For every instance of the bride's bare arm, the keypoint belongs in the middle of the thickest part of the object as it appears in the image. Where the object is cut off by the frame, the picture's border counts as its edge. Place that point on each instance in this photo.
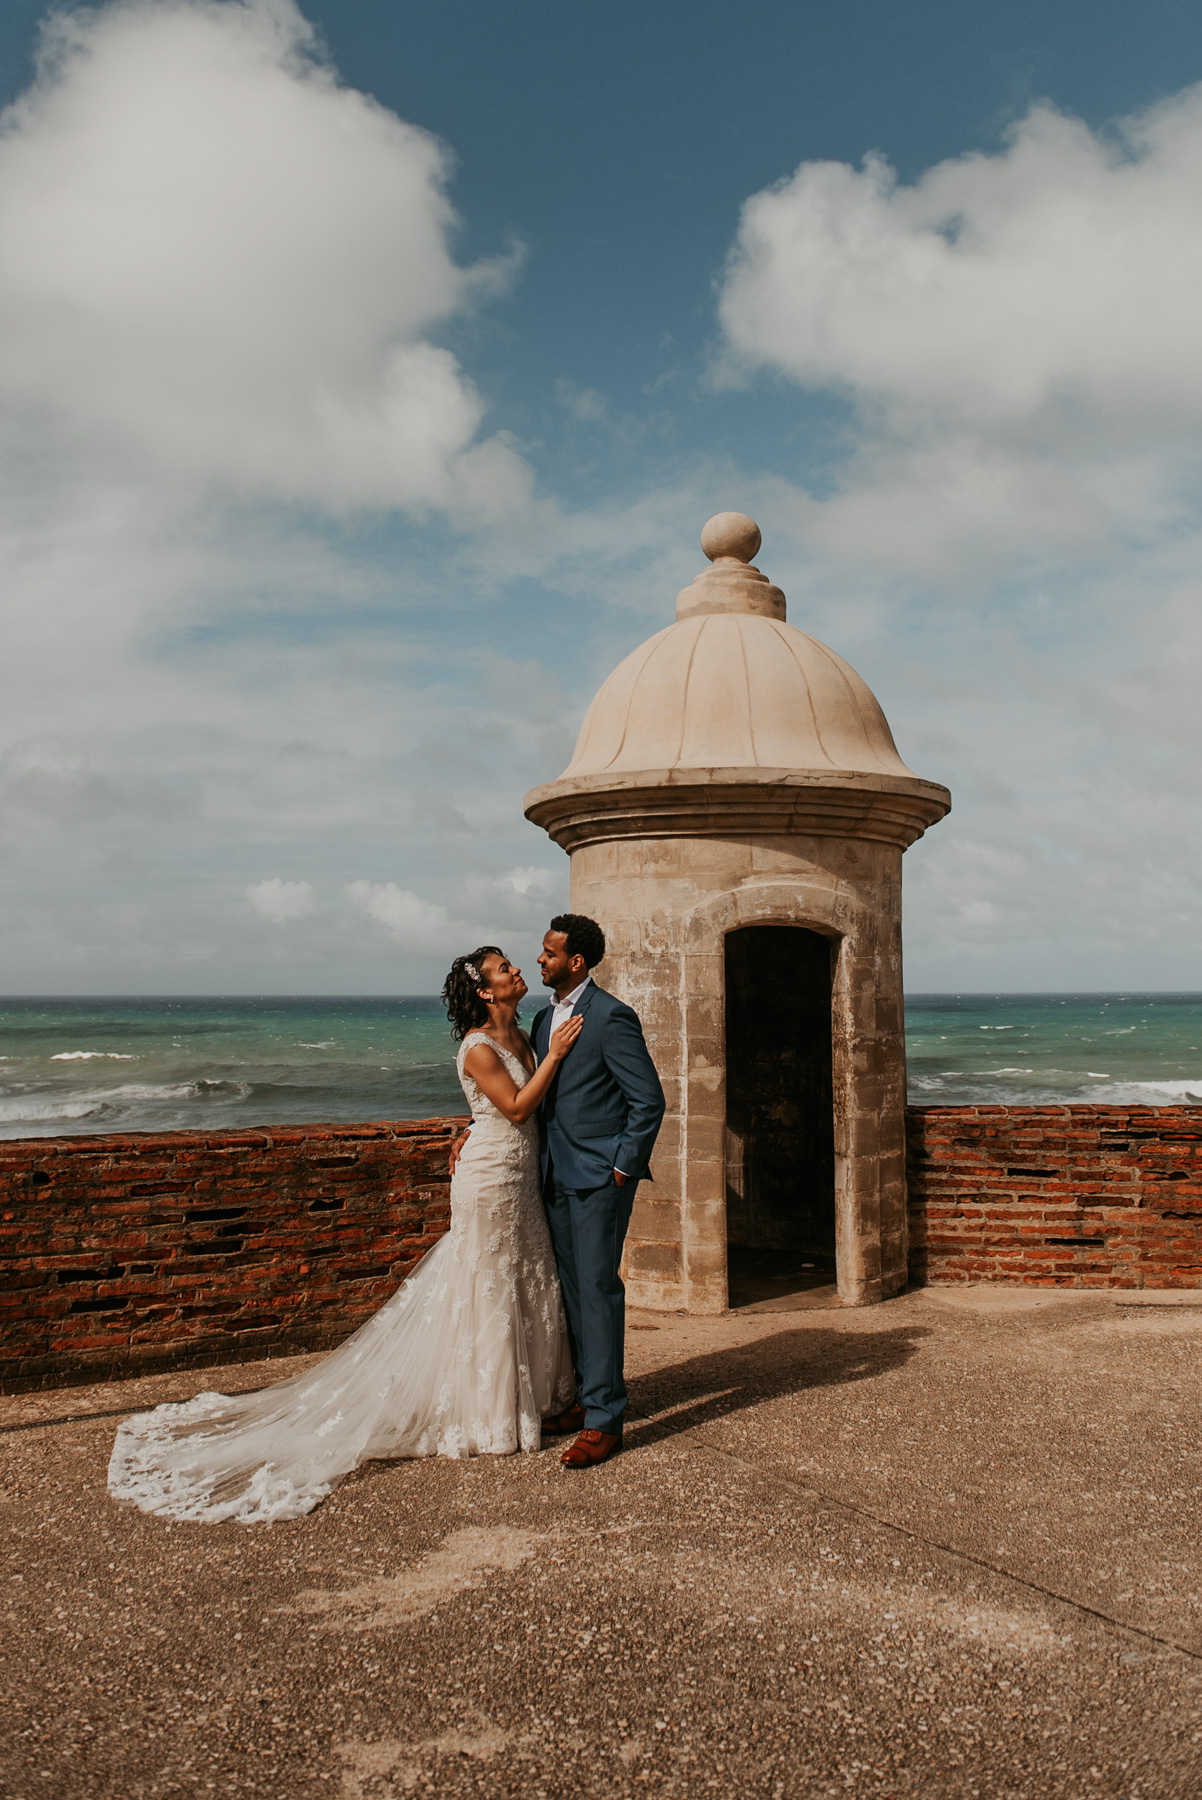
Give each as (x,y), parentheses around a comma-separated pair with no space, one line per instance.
(490,1074)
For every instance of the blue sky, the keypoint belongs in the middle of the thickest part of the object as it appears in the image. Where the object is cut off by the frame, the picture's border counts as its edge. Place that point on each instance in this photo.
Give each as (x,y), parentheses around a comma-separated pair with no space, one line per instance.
(370,371)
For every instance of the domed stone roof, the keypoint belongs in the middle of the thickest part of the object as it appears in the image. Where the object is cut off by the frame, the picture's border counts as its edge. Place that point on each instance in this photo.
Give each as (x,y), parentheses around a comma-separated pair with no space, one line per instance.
(732,697)
(734,691)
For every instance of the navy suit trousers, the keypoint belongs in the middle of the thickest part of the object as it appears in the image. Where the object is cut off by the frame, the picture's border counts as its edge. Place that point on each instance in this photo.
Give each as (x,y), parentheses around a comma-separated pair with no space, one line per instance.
(588,1229)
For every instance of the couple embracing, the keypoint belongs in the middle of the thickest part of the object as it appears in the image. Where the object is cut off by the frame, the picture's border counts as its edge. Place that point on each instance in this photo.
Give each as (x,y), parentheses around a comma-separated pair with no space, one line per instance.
(584,1096)
(513,1326)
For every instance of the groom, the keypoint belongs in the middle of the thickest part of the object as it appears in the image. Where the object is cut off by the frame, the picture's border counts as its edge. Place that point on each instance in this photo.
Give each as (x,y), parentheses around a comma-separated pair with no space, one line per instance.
(599,1120)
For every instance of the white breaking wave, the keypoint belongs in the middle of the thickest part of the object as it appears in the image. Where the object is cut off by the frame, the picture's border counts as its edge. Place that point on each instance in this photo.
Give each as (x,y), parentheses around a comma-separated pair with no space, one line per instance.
(88,1055)
(17,1112)
(988,1088)
(1149,1093)
(178,1090)
(32,1108)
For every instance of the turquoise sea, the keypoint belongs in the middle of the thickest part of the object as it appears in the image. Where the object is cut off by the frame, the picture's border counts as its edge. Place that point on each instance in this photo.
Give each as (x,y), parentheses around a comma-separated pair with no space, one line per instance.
(1036,1049)
(168,1064)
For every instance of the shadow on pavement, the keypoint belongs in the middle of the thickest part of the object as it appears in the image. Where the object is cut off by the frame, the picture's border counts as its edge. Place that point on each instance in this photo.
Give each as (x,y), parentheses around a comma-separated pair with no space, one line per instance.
(704,1389)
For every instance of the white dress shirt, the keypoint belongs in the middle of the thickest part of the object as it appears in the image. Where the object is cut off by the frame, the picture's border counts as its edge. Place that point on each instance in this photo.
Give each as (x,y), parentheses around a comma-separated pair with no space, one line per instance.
(563,1009)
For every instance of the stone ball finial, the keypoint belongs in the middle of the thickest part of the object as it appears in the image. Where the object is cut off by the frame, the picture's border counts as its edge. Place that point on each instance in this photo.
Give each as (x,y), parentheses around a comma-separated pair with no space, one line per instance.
(730,534)
(732,584)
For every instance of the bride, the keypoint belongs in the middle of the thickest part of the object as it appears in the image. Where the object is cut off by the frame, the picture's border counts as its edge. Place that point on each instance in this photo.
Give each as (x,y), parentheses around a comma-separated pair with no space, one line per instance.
(467,1356)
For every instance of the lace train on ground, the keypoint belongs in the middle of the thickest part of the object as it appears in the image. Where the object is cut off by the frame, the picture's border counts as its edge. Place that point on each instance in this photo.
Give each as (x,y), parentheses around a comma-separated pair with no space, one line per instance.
(463,1360)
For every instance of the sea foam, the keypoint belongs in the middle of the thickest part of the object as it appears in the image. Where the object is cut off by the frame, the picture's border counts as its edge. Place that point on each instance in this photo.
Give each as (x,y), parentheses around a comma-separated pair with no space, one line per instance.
(118,1102)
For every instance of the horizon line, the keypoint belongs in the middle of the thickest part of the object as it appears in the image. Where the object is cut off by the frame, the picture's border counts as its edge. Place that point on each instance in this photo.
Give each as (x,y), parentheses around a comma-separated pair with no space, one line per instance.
(1128,992)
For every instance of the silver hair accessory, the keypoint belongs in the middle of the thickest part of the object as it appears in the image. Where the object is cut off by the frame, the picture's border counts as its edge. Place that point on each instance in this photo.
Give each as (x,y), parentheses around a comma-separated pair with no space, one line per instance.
(472,970)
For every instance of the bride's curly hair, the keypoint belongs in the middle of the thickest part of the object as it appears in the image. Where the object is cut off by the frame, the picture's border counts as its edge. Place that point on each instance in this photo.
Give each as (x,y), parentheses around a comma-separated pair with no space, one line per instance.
(461,992)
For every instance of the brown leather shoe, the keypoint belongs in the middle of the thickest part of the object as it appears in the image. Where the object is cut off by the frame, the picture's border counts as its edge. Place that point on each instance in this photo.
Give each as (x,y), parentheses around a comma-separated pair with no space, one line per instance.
(590,1448)
(565,1423)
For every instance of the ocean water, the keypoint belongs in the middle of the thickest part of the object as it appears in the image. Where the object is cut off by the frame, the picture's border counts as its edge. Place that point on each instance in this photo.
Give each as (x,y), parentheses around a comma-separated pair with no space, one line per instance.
(196,1065)
(1036,1049)
(72,1066)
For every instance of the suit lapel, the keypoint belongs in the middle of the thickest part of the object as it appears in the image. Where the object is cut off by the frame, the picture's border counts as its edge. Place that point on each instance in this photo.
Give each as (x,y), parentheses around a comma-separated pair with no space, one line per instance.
(586,999)
(573,1070)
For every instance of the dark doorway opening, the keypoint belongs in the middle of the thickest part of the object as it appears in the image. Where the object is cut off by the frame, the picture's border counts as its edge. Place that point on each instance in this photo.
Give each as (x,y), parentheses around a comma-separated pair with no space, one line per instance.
(780,1133)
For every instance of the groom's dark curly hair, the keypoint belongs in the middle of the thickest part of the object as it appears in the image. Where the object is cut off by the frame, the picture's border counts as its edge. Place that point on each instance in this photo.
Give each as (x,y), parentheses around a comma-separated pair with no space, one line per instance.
(585,937)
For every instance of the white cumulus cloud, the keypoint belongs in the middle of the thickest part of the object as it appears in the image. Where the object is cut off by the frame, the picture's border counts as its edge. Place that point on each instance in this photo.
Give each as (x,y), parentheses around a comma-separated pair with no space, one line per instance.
(1019,332)
(279,900)
(511,909)
(417,924)
(220,263)
(1017,338)
(225,282)
(1060,274)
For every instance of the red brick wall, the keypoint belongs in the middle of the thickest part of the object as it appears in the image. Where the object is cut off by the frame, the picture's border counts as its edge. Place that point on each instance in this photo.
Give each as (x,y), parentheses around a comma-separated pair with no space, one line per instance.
(1064,1196)
(121,1255)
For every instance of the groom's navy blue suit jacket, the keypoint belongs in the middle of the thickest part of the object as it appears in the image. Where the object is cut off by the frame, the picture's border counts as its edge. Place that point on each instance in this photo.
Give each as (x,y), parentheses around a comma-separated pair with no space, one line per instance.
(605,1105)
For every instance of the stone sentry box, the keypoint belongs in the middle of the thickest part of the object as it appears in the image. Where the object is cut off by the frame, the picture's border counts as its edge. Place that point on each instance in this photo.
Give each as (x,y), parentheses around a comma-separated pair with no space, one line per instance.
(735,813)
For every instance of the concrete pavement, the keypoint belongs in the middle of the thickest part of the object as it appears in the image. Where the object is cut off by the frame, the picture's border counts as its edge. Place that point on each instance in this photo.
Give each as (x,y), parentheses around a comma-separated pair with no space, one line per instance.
(944,1546)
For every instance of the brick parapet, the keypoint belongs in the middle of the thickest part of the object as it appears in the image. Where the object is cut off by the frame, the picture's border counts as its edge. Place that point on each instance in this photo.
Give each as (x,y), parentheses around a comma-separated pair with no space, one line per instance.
(1056,1196)
(126,1254)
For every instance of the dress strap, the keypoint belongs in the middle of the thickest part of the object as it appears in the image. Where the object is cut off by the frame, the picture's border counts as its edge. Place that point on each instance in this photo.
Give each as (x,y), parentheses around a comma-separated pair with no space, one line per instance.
(507,1056)
(482,1037)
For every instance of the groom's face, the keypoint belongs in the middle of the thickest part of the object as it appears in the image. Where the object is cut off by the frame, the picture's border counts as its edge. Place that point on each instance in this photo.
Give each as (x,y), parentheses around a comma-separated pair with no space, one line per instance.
(559,969)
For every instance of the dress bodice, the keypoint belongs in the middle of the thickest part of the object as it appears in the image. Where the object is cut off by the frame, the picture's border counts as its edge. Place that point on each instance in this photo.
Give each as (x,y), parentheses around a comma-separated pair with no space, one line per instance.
(482,1107)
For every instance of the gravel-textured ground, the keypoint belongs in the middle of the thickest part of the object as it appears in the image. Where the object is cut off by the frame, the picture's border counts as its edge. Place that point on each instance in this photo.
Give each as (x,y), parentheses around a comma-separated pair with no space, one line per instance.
(946,1546)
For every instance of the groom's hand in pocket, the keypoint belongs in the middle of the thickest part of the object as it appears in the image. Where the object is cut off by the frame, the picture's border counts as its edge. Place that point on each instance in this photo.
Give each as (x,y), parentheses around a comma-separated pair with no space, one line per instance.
(620,1179)
(457,1146)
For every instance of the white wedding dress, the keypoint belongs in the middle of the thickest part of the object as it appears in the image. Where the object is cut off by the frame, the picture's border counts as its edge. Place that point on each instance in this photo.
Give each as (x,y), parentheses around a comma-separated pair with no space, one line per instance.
(465,1358)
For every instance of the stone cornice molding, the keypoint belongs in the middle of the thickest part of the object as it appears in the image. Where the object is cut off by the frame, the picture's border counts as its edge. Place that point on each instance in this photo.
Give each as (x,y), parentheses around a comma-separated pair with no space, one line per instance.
(735,803)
